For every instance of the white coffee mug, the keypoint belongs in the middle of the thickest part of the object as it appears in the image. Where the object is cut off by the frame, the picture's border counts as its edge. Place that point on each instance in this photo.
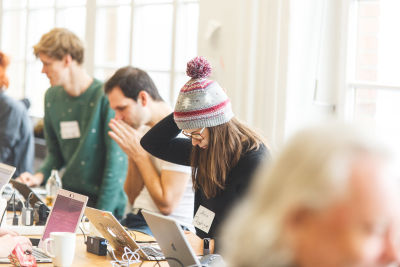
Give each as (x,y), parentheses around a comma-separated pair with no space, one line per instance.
(62,248)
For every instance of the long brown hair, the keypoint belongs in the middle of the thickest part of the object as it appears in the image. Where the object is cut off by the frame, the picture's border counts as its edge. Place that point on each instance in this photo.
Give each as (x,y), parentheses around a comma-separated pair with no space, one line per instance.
(227,142)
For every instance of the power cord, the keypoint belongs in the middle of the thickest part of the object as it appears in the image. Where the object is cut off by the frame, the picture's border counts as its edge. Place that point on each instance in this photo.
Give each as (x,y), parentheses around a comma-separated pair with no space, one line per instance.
(15,217)
(21,200)
(84,236)
(129,257)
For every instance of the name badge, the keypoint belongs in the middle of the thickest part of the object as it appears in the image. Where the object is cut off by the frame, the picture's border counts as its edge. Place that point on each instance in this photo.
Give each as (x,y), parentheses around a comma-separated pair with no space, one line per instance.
(203,219)
(70,130)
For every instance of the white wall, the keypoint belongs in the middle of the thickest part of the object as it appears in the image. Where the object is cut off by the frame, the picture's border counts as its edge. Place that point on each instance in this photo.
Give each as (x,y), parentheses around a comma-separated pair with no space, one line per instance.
(249,54)
(268,55)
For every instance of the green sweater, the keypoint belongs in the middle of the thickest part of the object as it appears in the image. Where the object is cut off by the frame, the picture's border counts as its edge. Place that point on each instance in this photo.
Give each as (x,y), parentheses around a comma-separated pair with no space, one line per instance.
(94,164)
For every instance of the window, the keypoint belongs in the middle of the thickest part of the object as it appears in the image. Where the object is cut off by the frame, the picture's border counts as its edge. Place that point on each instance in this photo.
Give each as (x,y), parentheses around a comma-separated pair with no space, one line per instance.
(374,87)
(159,36)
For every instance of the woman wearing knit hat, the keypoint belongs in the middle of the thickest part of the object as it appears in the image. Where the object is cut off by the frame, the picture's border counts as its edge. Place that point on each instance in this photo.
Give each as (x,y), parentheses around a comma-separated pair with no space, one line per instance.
(16,131)
(223,152)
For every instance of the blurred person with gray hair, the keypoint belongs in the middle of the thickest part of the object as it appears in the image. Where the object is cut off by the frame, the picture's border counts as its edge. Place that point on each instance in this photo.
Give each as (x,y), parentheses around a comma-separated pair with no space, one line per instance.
(330,199)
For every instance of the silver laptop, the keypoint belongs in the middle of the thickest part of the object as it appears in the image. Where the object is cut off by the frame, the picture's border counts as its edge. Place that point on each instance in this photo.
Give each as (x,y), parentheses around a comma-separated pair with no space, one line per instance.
(118,237)
(6,172)
(65,216)
(25,191)
(171,239)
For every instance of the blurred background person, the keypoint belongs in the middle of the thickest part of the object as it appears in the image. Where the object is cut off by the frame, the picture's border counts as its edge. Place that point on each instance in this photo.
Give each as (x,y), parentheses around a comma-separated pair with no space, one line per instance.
(16,130)
(76,118)
(331,199)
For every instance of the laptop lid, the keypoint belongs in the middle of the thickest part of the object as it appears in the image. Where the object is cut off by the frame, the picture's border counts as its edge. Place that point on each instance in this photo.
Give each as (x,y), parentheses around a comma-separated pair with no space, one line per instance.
(112,230)
(25,190)
(171,239)
(65,215)
(6,172)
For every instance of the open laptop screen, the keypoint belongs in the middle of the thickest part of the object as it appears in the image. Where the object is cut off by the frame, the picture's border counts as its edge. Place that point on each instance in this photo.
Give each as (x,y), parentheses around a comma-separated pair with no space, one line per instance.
(25,190)
(6,172)
(64,216)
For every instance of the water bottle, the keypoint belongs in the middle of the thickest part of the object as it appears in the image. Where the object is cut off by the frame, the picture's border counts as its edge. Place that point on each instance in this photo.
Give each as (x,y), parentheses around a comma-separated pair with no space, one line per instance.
(53,184)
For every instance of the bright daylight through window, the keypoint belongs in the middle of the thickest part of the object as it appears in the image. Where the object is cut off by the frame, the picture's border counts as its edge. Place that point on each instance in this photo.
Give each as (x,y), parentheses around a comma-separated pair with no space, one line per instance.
(374,88)
(116,33)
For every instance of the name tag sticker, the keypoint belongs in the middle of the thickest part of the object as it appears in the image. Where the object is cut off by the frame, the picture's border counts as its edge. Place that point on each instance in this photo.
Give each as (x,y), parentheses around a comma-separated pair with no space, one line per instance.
(70,130)
(203,219)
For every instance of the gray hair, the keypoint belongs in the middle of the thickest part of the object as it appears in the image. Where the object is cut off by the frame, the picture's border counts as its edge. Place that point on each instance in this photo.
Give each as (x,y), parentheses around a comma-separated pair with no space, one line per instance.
(311,172)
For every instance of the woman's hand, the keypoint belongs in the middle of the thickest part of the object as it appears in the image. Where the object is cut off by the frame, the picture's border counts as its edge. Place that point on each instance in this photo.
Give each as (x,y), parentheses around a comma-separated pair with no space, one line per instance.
(8,243)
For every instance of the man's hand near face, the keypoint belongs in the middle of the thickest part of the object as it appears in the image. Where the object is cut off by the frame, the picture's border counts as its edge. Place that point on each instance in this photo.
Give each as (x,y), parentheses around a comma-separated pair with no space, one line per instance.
(165,188)
(127,138)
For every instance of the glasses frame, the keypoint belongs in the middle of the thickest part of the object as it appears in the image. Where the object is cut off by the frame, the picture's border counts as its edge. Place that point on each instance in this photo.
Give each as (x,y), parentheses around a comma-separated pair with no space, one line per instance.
(195,135)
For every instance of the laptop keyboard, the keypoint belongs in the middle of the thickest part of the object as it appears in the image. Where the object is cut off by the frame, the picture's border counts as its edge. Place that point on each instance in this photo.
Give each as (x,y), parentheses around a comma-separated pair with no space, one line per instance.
(152,252)
(38,254)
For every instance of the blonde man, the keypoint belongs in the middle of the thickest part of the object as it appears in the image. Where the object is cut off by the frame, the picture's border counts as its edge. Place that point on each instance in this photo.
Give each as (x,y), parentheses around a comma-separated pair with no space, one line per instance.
(76,120)
(330,199)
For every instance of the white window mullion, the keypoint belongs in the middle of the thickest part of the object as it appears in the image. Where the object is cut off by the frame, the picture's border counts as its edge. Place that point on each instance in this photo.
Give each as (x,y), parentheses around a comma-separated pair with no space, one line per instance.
(90,35)
(55,14)
(131,33)
(373,86)
(173,51)
(28,14)
(350,104)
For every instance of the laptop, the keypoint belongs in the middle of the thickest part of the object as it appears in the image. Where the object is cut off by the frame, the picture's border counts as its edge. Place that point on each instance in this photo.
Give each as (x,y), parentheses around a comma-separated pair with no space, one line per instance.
(176,248)
(6,172)
(64,216)
(25,190)
(171,239)
(118,237)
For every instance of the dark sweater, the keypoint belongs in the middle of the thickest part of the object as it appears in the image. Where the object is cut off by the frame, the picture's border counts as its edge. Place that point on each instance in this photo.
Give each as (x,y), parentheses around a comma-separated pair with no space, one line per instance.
(162,142)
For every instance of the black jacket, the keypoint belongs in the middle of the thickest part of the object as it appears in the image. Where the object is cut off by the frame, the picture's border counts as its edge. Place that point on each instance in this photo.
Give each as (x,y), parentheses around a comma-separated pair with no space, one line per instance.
(161,141)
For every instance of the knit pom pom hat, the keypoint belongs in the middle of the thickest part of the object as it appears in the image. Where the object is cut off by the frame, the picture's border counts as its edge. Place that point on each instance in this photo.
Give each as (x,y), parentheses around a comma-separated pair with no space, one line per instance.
(201,102)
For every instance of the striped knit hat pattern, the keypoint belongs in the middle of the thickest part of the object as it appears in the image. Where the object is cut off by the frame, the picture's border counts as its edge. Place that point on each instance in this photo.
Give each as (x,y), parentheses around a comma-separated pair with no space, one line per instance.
(201,102)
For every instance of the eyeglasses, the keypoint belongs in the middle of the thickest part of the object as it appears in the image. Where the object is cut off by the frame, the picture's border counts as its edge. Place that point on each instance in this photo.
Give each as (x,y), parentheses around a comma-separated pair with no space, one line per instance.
(195,135)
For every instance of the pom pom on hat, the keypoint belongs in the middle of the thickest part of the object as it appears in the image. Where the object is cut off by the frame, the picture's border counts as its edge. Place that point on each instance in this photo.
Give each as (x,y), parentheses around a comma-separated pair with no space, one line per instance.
(198,68)
(201,102)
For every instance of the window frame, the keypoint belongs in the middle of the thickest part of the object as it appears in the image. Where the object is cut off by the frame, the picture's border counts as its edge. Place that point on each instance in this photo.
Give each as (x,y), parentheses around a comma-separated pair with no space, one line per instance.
(92,7)
(352,84)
